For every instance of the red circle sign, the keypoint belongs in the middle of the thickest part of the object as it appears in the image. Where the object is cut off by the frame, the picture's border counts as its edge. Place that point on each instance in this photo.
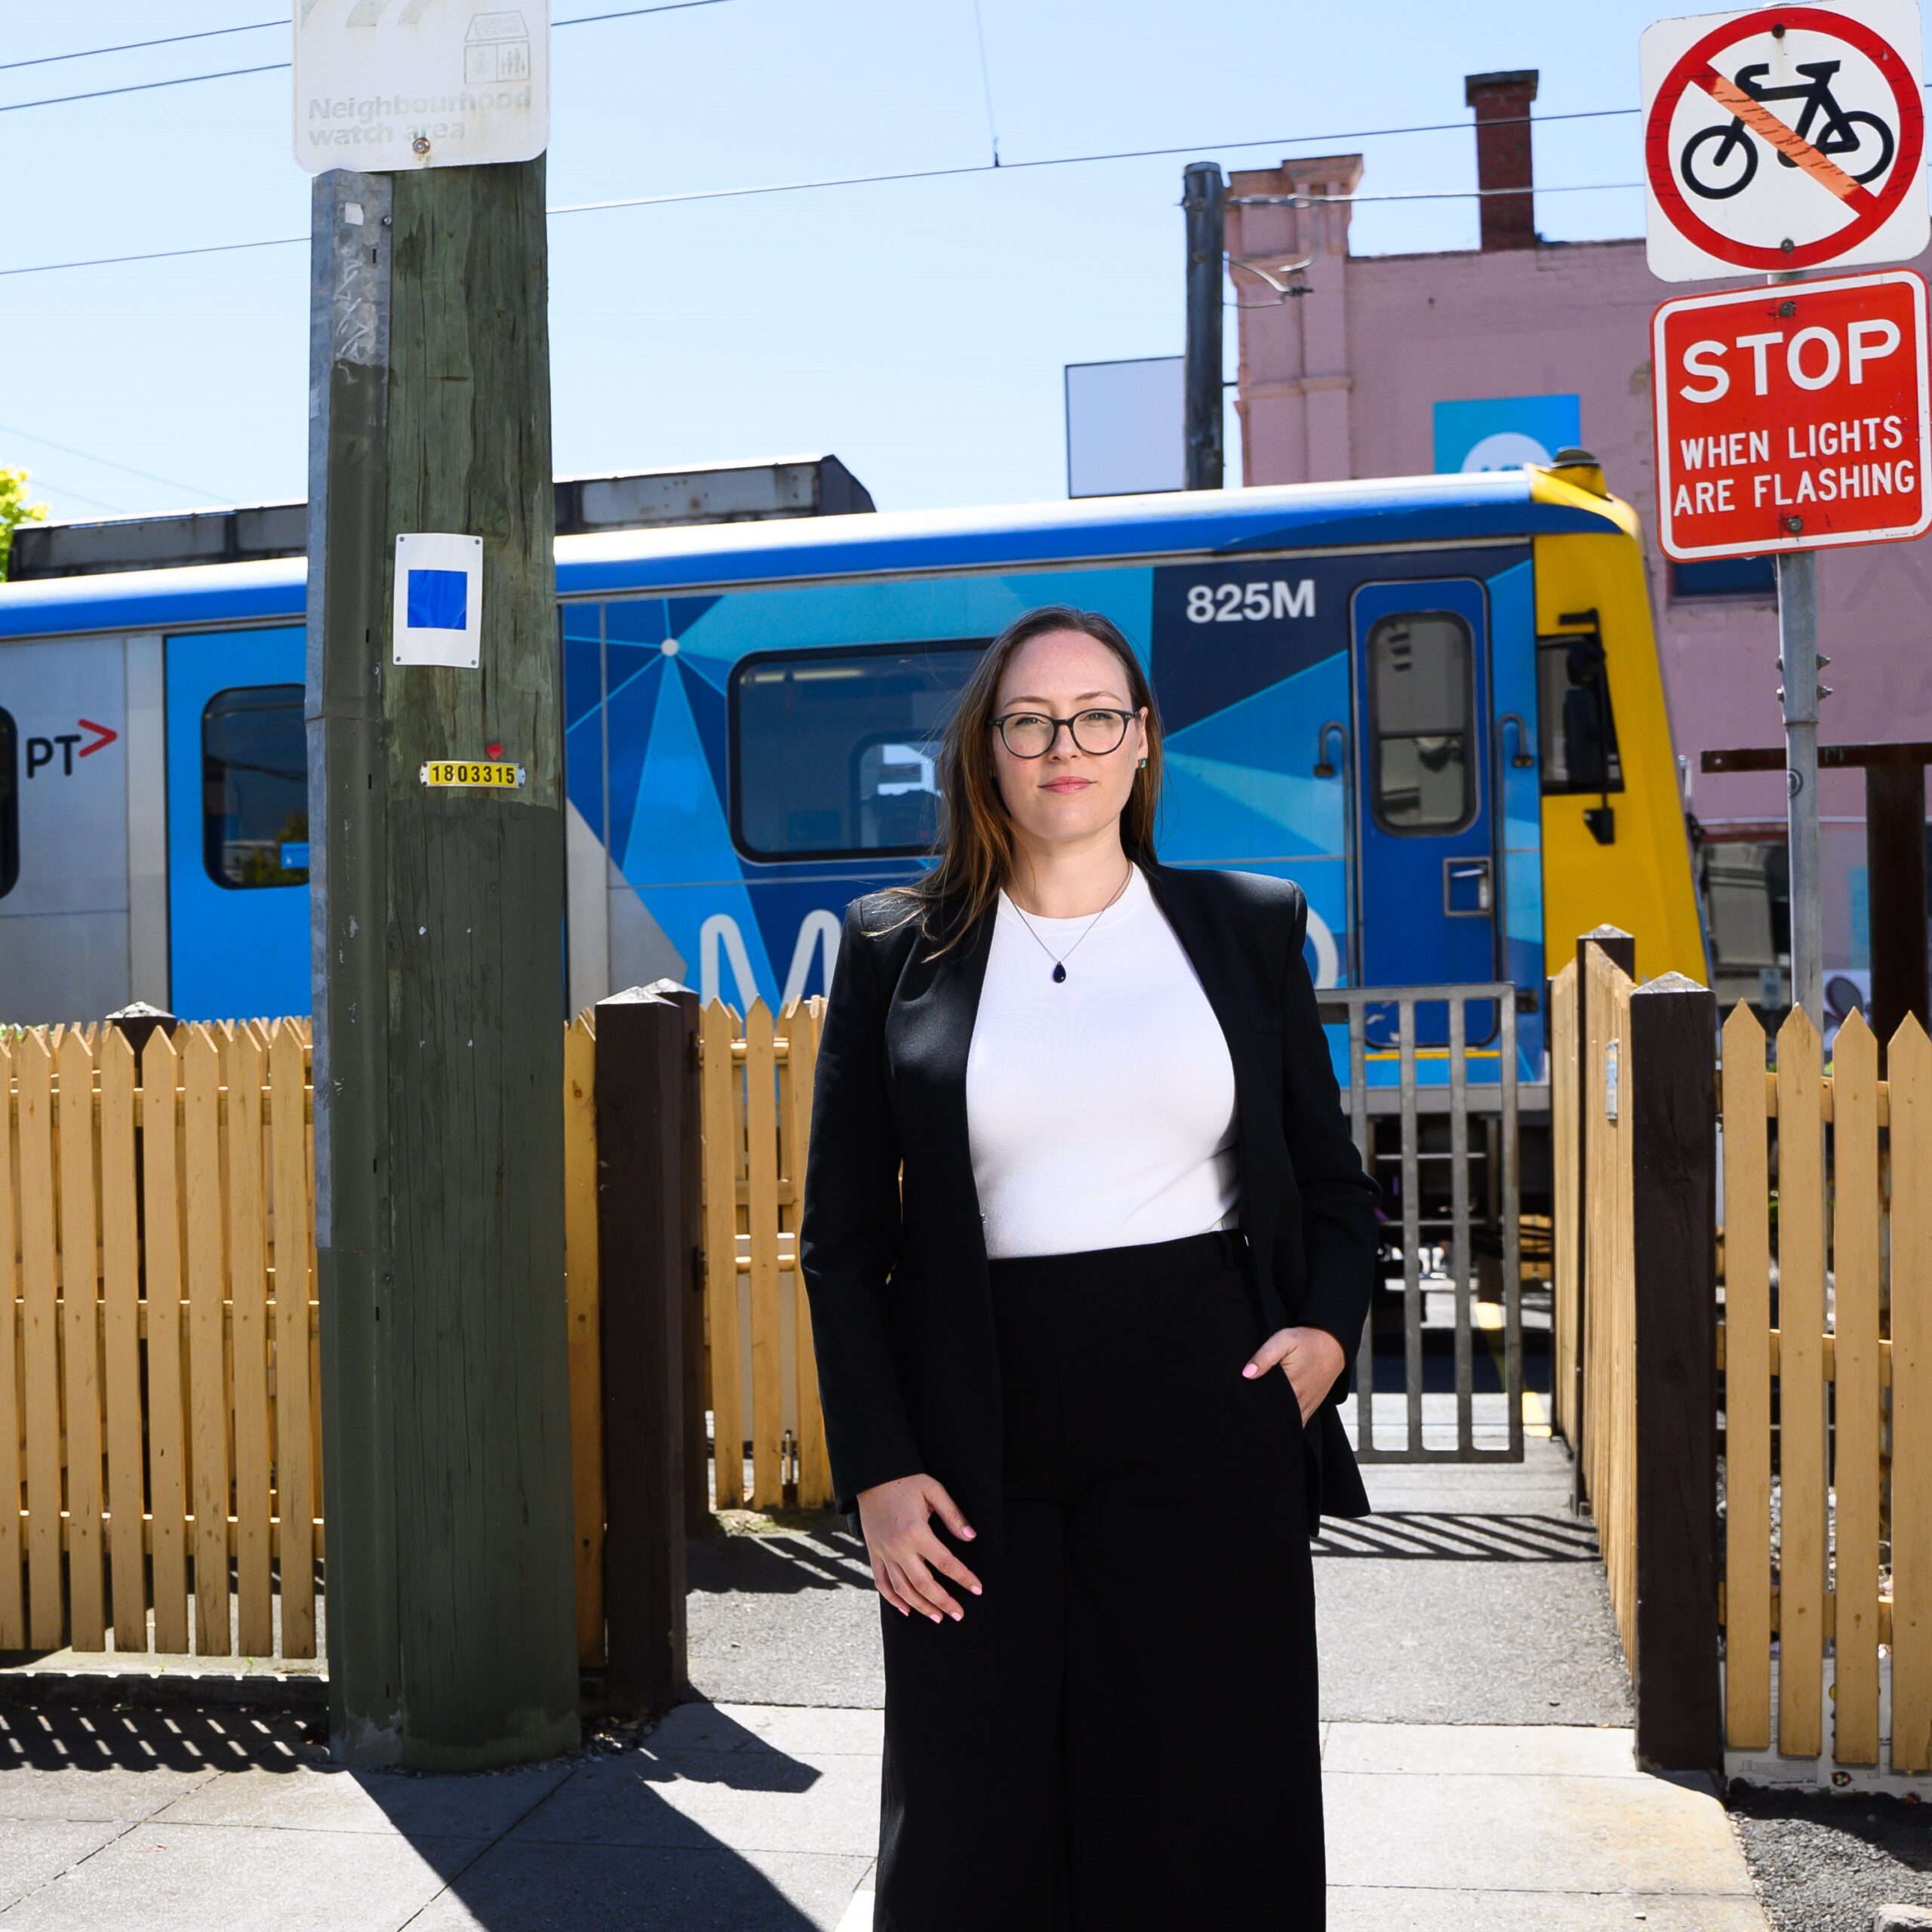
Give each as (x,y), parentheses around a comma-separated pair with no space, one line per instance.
(1870,212)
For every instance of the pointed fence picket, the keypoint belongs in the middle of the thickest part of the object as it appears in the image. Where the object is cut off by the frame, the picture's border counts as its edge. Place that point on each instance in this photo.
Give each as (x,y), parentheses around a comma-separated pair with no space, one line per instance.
(586,1345)
(157,1359)
(1610,1443)
(755,1080)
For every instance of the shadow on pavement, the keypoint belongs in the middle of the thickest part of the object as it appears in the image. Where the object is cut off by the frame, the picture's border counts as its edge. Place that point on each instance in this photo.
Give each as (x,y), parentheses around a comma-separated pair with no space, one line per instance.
(696,1826)
(824,1556)
(191,1738)
(1470,1536)
(674,1830)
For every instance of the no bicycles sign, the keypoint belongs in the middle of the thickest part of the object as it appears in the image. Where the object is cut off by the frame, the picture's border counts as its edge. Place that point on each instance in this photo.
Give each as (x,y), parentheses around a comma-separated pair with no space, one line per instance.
(1787,137)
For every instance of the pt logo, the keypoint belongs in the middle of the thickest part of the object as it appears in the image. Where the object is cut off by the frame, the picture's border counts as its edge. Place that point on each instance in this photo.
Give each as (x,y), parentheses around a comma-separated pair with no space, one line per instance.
(42,752)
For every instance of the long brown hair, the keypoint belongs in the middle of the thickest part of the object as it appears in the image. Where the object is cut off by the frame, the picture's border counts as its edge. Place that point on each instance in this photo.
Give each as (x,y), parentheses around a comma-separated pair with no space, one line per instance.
(973,857)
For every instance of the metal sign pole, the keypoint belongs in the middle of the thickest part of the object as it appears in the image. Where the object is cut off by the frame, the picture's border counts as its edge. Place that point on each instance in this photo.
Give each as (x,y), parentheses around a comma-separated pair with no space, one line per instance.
(1797,666)
(1798,662)
(1850,196)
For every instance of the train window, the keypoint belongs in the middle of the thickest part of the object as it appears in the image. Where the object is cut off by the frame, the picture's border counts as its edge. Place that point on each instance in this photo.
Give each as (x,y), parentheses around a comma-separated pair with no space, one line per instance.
(835,753)
(1421,682)
(1576,728)
(255,787)
(9,805)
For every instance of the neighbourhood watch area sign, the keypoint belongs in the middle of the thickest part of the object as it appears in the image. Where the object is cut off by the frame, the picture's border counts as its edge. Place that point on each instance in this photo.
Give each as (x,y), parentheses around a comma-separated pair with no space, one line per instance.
(385,86)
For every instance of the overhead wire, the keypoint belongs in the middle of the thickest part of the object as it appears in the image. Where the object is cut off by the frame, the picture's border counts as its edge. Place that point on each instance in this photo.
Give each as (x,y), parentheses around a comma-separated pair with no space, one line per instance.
(1004,167)
(267,67)
(78,496)
(998,164)
(134,46)
(105,462)
(140,86)
(986,80)
(575,20)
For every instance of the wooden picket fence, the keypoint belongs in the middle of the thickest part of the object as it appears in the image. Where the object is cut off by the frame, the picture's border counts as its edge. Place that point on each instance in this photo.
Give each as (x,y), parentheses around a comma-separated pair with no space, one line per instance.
(160,1401)
(1819,1359)
(1598,1110)
(1566,1159)
(1827,1381)
(756,1078)
(159,1410)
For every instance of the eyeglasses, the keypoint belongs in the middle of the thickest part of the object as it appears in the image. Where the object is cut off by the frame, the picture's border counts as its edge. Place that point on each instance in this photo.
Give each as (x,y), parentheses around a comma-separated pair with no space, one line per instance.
(1031,733)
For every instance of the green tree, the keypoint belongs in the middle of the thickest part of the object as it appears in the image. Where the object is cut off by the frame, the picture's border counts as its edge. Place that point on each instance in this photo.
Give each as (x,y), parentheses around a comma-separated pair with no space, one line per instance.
(14,509)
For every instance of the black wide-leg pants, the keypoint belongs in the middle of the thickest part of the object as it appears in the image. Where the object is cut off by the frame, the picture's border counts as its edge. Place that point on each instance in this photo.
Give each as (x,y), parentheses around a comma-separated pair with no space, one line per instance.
(1121,1734)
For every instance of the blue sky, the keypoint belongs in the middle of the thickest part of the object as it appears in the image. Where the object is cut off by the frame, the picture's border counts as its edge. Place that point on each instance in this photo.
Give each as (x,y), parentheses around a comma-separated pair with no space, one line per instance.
(917,330)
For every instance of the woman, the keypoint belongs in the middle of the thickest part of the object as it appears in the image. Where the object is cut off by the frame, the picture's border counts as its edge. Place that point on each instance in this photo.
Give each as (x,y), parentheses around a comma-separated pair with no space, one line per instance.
(1088,1246)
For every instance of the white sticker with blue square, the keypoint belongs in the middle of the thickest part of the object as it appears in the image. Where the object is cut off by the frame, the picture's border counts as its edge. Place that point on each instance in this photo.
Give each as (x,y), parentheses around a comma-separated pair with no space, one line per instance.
(439,600)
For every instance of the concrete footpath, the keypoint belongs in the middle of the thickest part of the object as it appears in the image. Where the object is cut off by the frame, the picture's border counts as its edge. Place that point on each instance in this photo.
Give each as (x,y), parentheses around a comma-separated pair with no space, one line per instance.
(1475,1746)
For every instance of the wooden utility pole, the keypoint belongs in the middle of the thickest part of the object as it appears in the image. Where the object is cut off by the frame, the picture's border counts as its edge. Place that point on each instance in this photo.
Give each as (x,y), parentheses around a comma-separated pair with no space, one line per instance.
(437,928)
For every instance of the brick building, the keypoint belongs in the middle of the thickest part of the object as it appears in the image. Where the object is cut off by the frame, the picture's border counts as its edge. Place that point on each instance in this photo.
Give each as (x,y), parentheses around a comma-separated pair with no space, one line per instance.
(1396,364)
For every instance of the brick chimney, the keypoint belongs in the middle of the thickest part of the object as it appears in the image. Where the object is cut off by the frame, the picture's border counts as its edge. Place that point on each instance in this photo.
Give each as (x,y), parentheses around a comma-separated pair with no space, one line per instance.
(1501,102)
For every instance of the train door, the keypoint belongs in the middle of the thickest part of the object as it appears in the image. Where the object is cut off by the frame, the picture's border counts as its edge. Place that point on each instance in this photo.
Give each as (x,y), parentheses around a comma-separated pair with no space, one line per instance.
(63,829)
(238,824)
(1426,882)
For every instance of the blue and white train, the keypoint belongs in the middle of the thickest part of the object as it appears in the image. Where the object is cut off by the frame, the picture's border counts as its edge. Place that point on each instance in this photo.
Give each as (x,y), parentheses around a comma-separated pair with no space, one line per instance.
(1435,702)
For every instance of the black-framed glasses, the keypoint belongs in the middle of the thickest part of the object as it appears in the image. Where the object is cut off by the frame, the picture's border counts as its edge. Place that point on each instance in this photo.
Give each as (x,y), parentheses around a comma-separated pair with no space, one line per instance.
(1031,733)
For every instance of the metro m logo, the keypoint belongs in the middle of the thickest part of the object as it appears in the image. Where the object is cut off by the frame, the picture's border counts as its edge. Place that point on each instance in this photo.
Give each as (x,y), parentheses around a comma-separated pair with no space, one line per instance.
(818,935)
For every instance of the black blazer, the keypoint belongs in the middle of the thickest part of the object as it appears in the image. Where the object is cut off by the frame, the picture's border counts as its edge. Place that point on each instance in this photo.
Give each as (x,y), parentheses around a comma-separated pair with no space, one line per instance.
(901,1303)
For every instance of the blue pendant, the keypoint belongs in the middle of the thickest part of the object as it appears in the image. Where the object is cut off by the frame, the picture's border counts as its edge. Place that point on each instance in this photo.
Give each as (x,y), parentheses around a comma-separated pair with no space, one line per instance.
(1060,974)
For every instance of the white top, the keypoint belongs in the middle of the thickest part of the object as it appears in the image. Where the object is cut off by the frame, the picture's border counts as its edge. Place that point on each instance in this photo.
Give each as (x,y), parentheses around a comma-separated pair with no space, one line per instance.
(1101,1110)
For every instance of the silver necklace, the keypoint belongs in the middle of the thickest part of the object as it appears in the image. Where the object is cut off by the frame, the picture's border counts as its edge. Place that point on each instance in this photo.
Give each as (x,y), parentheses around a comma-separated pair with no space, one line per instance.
(1059,960)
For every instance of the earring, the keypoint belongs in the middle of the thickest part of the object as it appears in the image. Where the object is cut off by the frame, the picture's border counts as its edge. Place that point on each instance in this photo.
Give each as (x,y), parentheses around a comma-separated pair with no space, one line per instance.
(1143,765)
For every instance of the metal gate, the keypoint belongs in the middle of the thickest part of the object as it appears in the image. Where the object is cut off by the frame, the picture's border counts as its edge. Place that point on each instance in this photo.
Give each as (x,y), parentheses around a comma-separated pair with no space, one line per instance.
(1437,1124)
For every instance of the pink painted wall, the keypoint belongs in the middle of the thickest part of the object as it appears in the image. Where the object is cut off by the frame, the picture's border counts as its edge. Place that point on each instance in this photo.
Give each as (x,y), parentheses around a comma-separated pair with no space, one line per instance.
(1342,382)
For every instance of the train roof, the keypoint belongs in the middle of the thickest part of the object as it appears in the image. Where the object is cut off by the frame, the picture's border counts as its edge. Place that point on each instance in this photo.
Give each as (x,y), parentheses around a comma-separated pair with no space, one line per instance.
(1385,511)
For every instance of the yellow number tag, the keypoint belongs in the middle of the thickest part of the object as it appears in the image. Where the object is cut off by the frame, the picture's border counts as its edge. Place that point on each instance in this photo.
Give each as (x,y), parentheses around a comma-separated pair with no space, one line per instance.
(458,771)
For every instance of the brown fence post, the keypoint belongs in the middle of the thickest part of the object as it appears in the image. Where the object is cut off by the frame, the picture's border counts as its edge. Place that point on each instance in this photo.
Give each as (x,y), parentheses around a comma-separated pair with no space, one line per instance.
(646,1114)
(691,1222)
(1621,950)
(140,1021)
(1672,1097)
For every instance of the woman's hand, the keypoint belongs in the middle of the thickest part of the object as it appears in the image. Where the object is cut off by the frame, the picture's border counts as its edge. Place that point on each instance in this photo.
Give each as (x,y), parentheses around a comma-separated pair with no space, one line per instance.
(1310,1358)
(896,1518)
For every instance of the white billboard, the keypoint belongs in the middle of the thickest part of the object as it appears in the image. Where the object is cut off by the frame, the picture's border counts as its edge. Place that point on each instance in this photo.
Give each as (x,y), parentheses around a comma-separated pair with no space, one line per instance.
(1126,426)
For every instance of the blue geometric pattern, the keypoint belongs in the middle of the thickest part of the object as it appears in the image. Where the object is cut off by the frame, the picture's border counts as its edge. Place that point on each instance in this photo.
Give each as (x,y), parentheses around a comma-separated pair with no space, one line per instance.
(1252,701)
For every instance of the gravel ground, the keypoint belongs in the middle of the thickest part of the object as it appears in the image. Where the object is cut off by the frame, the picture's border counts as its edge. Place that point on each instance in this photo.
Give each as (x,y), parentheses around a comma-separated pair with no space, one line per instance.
(1825,1864)
(781,1610)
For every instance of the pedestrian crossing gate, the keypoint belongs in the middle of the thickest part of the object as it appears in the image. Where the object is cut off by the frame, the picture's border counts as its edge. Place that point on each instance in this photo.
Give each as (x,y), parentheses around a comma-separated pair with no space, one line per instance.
(1441,1137)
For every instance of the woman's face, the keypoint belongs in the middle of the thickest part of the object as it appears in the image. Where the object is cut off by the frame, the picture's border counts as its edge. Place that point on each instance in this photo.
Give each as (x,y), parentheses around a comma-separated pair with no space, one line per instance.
(1067,793)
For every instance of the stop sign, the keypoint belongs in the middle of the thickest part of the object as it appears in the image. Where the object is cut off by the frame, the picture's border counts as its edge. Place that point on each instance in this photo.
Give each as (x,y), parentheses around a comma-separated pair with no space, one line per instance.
(1793,416)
